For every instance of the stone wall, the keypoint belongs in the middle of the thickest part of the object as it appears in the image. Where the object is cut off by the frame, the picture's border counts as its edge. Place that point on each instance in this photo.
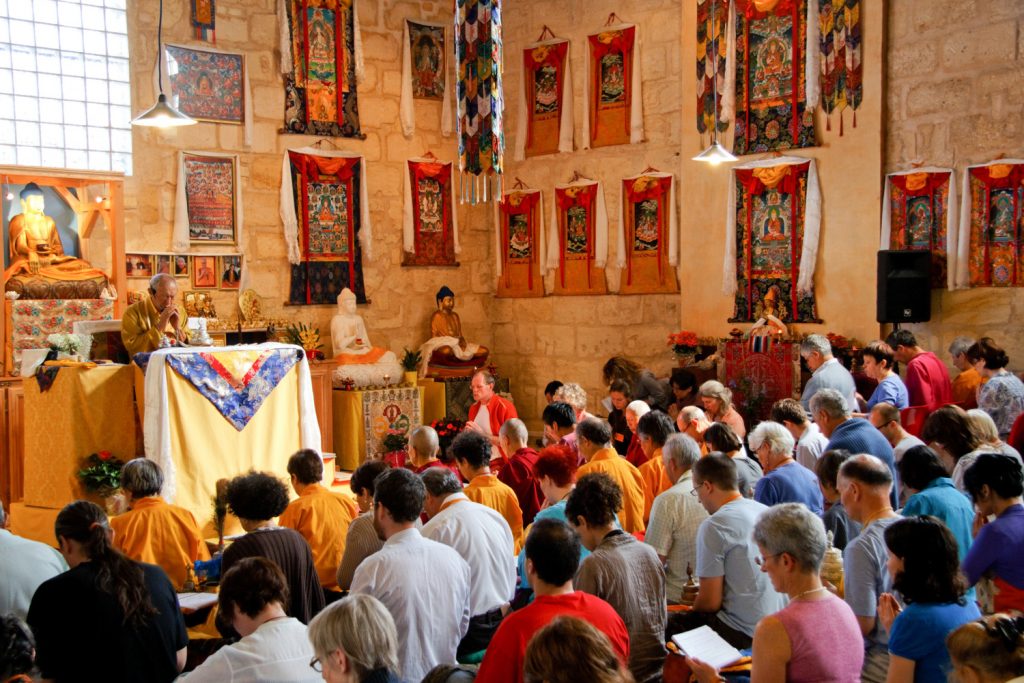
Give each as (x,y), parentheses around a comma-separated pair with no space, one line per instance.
(954,79)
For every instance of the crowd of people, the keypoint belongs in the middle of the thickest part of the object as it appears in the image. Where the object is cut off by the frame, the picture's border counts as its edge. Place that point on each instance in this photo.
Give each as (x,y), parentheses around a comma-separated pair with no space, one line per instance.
(495,561)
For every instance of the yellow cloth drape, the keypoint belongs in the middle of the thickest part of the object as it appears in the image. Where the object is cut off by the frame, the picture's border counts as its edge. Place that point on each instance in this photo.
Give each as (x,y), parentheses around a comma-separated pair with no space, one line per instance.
(34,523)
(434,407)
(349,430)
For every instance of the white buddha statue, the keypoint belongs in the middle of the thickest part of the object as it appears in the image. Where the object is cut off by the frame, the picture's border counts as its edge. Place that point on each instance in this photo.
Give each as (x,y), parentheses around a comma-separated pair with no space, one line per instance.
(357,359)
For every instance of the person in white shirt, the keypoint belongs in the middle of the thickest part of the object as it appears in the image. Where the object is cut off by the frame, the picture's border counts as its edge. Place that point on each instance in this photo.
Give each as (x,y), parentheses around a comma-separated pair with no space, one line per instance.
(274,646)
(423,583)
(484,540)
(810,442)
(24,564)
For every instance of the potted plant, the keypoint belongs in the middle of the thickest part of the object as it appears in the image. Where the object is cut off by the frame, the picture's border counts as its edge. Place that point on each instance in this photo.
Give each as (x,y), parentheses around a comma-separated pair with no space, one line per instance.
(685,346)
(410,365)
(307,337)
(101,475)
(394,443)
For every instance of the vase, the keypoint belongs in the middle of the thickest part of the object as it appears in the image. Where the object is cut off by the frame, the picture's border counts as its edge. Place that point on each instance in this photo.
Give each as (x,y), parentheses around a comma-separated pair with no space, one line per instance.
(685,359)
(411,377)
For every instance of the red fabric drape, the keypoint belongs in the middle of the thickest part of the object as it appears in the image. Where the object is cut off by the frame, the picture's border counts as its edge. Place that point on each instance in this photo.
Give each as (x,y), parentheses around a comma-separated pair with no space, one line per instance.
(518,203)
(621,41)
(554,56)
(565,199)
(442,173)
(656,188)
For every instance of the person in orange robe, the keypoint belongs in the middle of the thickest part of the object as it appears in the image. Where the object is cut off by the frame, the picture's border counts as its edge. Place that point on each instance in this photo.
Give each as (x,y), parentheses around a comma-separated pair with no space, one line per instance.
(321,516)
(154,531)
(594,437)
(472,452)
(653,430)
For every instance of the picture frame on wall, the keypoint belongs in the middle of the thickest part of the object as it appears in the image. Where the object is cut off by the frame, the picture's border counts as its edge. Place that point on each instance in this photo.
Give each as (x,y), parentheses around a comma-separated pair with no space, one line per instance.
(211,197)
(162,263)
(207,85)
(180,265)
(204,272)
(230,269)
(138,265)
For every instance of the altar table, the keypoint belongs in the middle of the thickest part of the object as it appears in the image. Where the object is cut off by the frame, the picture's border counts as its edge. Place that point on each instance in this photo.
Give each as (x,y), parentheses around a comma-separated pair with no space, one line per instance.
(759,375)
(363,417)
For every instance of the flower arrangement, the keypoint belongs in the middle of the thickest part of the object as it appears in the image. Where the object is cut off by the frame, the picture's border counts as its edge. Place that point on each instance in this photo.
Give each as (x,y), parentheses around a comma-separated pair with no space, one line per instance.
(394,440)
(447,429)
(683,342)
(838,341)
(307,337)
(101,473)
(411,360)
(70,344)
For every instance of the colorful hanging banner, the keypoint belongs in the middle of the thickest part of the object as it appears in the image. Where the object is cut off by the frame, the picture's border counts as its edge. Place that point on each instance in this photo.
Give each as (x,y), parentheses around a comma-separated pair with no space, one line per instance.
(203,15)
(711,61)
(520,246)
(578,238)
(648,243)
(612,88)
(989,244)
(430,228)
(919,213)
(545,120)
(772,235)
(842,76)
(426,73)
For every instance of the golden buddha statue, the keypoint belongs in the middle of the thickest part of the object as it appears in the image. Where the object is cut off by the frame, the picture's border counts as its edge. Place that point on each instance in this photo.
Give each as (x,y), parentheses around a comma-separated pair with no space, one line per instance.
(447,353)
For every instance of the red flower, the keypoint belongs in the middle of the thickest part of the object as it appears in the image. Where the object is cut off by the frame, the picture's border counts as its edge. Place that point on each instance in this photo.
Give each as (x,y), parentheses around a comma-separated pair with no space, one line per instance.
(104,455)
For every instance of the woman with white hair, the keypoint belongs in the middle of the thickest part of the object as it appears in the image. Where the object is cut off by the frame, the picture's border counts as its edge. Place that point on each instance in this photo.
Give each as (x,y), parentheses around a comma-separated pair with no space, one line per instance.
(355,641)
(634,411)
(785,480)
(717,400)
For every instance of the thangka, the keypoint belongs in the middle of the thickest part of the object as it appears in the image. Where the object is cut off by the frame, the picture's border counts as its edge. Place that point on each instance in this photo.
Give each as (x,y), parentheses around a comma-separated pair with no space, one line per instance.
(989,245)
(648,243)
(775,71)
(520,252)
(393,410)
(612,88)
(544,122)
(480,103)
(842,76)
(321,61)
(208,200)
(430,227)
(326,216)
(919,213)
(711,61)
(425,72)
(578,238)
(203,15)
(771,238)
(208,84)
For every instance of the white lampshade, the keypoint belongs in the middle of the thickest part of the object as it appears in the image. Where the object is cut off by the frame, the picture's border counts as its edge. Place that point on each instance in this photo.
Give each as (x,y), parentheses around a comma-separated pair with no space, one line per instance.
(715,154)
(162,115)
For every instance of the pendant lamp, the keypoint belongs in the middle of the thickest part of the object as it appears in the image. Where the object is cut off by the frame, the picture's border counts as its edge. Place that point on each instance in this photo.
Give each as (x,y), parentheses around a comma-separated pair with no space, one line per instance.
(162,114)
(715,153)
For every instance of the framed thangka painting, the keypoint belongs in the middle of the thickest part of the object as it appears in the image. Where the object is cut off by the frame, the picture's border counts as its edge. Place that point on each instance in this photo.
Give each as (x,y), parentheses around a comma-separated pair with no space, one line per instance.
(206,85)
(545,121)
(430,230)
(919,213)
(648,245)
(612,88)
(991,231)
(578,239)
(427,48)
(209,188)
(520,248)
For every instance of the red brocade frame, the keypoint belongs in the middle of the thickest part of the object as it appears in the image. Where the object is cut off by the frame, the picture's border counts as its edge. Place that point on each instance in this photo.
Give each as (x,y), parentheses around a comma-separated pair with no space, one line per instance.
(543,127)
(996,211)
(758,379)
(576,251)
(337,171)
(647,238)
(434,239)
(520,245)
(610,104)
(919,209)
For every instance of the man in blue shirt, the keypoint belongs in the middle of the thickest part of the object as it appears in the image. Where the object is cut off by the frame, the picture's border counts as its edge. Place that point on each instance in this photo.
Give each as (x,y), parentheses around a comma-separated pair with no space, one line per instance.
(785,480)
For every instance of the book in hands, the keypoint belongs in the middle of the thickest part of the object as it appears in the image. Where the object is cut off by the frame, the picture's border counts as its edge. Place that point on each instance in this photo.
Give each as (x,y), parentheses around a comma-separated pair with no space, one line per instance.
(707,646)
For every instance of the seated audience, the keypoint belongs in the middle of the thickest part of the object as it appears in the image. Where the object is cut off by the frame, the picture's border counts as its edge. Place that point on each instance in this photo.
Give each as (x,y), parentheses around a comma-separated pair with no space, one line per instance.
(994,483)
(559,424)
(550,389)
(107,618)
(828,407)
(885,417)
(926,376)
(634,411)
(826,373)
(720,438)
(24,564)
(356,641)
(256,499)
(810,442)
(594,437)
(785,480)
(718,407)
(652,430)
(988,650)
(552,558)
(813,638)
(568,639)
(644,386)
(424,449)
(154,531)
(619,397)
(473,456)
(734,594)
(950,433)
(989,433)
(18,650)
(683,384)
(483,538)
(274,647)
(362,539)
(432,621)
(924,569)
(620,570)
(966,384)
(878,359)
(322,517)
(932,493)
(694,423)
(865,484)
(835,518)
(1002,394)
(676,515)
(575,396)
(517,473)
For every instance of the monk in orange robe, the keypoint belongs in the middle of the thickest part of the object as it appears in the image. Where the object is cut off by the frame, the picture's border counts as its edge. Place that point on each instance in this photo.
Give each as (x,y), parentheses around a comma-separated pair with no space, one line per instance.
(653,429)
(472,451)
(594,438)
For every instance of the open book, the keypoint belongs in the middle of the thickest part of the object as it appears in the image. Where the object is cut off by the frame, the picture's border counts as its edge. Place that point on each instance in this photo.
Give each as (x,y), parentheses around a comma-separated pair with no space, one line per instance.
(707,646)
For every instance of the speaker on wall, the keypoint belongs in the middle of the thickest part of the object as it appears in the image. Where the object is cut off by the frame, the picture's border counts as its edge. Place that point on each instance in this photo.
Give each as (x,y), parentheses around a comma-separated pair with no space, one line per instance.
(904,287)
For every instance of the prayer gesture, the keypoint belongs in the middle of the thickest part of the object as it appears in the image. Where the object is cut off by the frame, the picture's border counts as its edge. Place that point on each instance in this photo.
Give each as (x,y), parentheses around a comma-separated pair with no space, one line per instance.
(888,610)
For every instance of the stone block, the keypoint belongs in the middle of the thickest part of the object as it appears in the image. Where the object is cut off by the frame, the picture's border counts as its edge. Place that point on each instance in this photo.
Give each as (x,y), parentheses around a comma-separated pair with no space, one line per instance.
(232,29)
(979,46)
(931,97)
(911,58)
(268,101)
(263,29)
(974,308)
(376,110)
(265,173)
(392,82)
(265,137)
(382,48)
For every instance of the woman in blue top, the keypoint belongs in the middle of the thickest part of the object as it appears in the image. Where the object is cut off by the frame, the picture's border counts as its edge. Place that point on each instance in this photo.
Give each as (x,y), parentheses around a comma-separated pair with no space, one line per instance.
(925,571)
(878,359)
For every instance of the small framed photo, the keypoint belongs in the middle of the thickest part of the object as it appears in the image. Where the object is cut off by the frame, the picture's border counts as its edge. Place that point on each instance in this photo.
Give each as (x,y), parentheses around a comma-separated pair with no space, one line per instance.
(180,265)
(138,265)
(204,272)
(230,271)
(163,263)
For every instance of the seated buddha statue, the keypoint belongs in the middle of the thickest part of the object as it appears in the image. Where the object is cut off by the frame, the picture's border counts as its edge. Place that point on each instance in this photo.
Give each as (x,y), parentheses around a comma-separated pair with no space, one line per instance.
(357,359)
(447,353)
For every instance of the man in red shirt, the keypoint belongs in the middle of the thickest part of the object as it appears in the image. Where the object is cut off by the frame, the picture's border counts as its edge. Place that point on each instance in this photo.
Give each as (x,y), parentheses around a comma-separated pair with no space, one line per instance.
(490,410)
(927,378)
(552,557)
(518,472)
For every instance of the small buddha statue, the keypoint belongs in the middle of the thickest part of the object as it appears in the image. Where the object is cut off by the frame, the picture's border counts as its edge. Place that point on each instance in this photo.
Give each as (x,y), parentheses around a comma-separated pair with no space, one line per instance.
(447,353)
(357,359)
(690,588)
(769,323)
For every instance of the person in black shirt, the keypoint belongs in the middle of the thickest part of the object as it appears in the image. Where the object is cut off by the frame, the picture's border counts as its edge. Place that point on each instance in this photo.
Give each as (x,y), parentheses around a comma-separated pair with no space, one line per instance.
(620,395)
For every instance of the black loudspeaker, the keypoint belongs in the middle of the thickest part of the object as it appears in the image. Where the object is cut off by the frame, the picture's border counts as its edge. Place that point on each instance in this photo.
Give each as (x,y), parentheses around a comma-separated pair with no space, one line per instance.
(904,287)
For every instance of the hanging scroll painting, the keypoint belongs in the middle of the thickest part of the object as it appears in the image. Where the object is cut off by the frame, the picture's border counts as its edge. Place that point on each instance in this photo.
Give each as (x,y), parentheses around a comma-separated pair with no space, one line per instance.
(772,239)
(990,245)
(578,239)
(919,214)
(520,247)
(773,101)
(545,120)
(207,85)
(612,88)
(327,226)
(320,61)
(208,200)
(648,243)
(203,15)
(425,72)
(430,229)
(842,75)
(711,47)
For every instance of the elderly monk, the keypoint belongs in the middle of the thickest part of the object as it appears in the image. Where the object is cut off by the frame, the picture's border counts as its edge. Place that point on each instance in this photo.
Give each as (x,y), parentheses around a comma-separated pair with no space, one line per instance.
(447,350)
(154,531)
(144,325)
(322,517)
